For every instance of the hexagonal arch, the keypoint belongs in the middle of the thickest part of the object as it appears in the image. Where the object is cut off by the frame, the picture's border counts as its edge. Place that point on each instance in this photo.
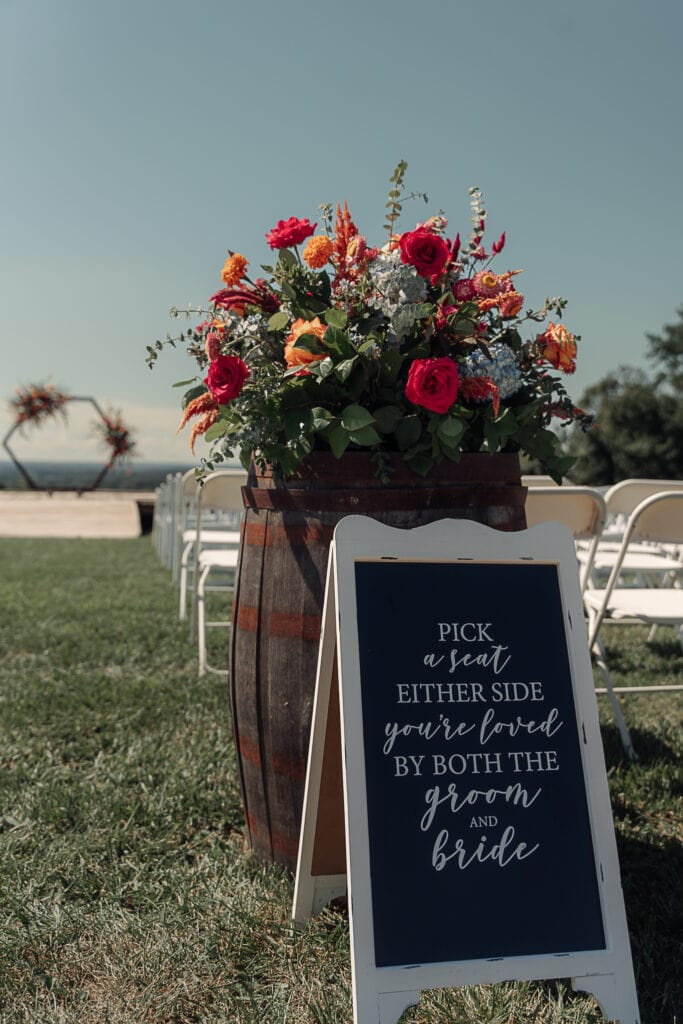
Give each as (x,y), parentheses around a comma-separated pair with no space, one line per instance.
(37,486)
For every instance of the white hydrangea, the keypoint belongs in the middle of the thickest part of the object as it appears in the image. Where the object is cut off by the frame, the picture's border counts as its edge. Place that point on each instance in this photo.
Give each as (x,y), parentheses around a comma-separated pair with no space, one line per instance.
(394,283)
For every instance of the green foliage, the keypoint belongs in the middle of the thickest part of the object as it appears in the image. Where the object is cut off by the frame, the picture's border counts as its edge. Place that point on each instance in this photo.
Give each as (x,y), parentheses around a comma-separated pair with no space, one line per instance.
(639,419)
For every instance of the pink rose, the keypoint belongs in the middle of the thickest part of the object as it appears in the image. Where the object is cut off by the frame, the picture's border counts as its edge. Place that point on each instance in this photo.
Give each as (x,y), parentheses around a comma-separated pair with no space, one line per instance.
(287,233)
(433,383)
(425,251)
(225,378)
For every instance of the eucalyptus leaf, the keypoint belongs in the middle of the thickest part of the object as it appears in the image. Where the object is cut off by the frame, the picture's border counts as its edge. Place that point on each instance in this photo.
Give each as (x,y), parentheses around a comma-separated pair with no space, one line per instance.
(278,321)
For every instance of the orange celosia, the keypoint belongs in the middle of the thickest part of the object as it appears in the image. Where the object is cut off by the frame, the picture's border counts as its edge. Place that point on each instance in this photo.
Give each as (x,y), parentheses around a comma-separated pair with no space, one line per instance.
(300,356)
(480,389)
(202,425)
(318,251)
(234,270)
(344,231)
(205,406)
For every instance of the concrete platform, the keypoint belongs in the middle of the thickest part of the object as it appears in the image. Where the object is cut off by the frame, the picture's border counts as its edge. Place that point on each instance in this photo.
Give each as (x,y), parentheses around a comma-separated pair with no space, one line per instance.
(96,514)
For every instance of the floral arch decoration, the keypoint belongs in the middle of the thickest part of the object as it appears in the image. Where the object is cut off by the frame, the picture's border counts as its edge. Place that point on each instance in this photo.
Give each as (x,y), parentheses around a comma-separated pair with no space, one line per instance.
(37,403)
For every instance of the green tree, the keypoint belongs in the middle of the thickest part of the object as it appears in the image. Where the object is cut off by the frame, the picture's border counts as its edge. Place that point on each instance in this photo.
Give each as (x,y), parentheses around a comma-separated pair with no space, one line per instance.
(639,419)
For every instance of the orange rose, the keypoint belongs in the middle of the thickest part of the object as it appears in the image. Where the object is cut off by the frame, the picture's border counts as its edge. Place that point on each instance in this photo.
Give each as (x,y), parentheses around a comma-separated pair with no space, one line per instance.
(300,356)
(558,347)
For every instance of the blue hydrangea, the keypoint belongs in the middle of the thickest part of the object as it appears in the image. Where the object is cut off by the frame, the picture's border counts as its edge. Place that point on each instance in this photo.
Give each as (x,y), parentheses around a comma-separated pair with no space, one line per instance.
(503,368)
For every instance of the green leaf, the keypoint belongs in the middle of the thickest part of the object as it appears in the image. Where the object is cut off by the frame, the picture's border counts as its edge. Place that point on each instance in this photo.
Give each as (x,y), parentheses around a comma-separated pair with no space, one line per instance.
(195,392)
(215,431)
(286,259)
(297,422)
(355,417)
(183,383)
(321,418)
(408,432)
(278,321)
(325,368)
(346,367)
(450,431)
(309,343)
(387,418)
(336,318)
(421,464)
(338,440)
(337,342)
(366,436)
(390,364)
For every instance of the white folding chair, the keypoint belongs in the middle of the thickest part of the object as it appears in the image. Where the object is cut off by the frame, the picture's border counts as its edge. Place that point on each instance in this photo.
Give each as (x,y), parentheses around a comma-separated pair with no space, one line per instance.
(657,519)
(220,492)
(580,509)
(218,527)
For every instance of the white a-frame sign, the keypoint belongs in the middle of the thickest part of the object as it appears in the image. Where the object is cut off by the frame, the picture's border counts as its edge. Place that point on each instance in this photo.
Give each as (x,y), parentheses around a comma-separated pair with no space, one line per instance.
(479,844)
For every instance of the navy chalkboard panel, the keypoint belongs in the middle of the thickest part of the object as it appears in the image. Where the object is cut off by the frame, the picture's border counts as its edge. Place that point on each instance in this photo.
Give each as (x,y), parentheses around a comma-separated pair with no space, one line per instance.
(479,833)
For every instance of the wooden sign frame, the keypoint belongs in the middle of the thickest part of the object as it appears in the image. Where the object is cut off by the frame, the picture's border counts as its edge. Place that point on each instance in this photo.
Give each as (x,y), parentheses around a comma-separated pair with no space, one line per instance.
(381,994)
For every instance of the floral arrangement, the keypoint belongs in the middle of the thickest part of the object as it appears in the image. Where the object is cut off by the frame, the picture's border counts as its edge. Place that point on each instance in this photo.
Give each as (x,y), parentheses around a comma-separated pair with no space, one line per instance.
(414,346)
(116,436)
(37,403)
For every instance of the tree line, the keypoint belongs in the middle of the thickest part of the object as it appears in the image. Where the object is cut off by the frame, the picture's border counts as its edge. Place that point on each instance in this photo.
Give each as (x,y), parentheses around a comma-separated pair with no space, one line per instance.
(638,429)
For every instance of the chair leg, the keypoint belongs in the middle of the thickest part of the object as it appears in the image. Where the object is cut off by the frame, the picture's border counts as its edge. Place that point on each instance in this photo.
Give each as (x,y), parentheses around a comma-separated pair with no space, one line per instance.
(201,619)
(184,571)
(627,743)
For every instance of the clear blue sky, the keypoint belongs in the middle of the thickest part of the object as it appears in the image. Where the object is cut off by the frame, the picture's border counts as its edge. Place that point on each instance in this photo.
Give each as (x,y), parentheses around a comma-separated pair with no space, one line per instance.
(142,140)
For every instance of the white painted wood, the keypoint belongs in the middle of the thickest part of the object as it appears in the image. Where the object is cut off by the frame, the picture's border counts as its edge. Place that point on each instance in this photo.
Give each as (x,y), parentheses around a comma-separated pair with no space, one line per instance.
(380,994)
(311,893)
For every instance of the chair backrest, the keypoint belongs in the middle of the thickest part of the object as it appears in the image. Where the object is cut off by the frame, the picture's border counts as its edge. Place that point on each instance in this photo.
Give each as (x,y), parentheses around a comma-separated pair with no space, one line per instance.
(222,490)
(536,480)
(659,518)
(622,498)
(581,509)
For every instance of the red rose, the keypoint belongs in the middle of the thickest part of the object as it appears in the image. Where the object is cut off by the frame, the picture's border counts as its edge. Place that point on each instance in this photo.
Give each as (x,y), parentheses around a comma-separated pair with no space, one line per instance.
(425,251)
(289,232)
(433,383)
(225,378)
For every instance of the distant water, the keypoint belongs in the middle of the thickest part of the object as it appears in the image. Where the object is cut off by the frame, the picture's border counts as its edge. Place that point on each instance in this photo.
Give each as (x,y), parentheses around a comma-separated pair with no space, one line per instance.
(135,476)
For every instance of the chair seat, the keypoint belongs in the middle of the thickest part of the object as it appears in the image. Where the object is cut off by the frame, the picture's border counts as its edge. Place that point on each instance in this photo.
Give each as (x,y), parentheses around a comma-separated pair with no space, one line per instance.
(649,604)
(638,561)
(210,536)
(220,558)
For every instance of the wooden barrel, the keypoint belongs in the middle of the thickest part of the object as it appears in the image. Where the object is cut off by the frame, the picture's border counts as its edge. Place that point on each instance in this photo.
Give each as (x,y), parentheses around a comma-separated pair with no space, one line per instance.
(277,608)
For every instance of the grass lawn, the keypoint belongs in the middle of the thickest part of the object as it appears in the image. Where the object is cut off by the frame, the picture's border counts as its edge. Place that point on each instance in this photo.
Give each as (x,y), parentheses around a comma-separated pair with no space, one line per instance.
(127,893)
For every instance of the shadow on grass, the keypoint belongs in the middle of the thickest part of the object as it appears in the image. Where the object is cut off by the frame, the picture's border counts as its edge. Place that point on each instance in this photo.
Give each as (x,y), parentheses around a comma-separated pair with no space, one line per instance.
(651,878)
(650,748)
